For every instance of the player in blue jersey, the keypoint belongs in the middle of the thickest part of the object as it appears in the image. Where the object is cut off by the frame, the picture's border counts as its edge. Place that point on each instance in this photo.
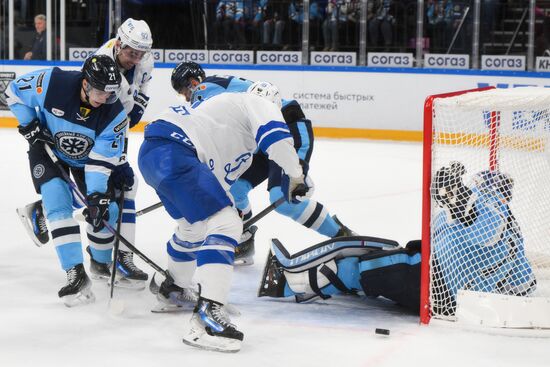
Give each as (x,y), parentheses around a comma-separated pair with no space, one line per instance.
(78,114)
(190,80)
(131,52)
(477,243)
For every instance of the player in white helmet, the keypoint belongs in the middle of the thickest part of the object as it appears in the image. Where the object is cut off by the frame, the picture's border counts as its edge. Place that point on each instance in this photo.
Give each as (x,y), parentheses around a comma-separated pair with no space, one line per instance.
(268,91)
(131,50)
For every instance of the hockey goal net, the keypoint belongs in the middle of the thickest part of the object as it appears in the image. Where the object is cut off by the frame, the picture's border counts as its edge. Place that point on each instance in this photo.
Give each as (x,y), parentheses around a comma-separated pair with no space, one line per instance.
(491,269)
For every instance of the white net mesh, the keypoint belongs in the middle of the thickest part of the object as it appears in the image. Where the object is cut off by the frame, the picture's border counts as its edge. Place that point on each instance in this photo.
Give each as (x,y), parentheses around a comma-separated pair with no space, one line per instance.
(490,226)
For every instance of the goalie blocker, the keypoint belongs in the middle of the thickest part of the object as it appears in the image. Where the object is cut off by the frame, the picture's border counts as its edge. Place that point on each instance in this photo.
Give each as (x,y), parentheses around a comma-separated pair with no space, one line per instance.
(345,265)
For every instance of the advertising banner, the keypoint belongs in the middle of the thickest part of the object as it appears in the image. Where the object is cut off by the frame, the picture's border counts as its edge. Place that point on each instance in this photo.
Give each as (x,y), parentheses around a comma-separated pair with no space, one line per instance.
(231,57)
(446,61)
(391,60)
(353,99)
(333,58)
(80,53)
(279,57)
(177,56)
(502,62)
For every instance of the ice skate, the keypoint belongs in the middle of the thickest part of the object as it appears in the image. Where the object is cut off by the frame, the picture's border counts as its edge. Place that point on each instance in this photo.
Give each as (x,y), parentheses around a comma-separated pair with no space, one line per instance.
(128,275)
(344,231)
(244,253)
(34,221)
(98,271)
(172,298)
(273,279)
(211,329)
(78,290)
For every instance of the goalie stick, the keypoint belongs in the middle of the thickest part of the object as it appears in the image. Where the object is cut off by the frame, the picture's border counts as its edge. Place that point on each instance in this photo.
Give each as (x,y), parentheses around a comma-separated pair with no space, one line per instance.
(121,238)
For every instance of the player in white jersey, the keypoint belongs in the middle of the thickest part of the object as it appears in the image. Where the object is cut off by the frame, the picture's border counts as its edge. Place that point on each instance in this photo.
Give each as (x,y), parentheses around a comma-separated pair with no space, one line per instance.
(131,52)
(191,157)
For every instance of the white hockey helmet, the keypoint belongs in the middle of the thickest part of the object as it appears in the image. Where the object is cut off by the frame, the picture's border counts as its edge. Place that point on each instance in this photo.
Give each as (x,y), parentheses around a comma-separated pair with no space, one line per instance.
(267,91)
(135,34)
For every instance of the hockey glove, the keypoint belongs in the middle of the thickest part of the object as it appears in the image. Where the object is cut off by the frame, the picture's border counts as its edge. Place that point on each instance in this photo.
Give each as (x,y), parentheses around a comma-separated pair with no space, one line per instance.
(140,104)
(296,189)
(495,181)
(97,210)
(122,177)
(35,132)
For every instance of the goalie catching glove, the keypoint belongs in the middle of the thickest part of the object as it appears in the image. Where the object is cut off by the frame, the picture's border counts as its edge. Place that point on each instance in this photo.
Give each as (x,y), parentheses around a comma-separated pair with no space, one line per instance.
(97,210)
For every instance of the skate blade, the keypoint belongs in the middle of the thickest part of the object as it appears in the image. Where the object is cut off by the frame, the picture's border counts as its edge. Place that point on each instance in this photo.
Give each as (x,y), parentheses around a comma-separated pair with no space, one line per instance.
(78,299)
(213,343)
(99,277)
(136,285)
(164,308)
(124,283)
(25,220)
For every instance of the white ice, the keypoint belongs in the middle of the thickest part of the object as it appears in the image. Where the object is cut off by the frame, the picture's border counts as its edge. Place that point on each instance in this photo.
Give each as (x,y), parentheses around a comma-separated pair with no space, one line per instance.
(374,188)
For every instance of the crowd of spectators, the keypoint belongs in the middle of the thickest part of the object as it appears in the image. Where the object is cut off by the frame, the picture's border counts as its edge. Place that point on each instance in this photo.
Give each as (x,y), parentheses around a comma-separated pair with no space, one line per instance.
(334,25)
(277,24)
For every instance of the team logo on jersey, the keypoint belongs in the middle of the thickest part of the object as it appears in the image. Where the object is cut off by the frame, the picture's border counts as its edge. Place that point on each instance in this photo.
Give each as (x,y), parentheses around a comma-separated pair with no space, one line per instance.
(74,145)
(233,171)
(5,79)
(38,171)
(57,112)
(84,114)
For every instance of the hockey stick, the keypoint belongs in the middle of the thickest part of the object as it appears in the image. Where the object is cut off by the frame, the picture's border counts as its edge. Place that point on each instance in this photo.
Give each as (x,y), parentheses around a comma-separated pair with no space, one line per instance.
(149,209)
(253,220)
(75,189)
(263,213)
(117,241)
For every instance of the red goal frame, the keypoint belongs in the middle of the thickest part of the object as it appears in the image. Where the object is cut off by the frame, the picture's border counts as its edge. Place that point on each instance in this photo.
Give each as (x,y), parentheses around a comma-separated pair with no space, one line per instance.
(425,314)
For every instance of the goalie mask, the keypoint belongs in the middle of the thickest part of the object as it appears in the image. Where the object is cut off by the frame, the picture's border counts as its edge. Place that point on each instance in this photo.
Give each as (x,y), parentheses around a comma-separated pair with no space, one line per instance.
(449,192)
(267,91)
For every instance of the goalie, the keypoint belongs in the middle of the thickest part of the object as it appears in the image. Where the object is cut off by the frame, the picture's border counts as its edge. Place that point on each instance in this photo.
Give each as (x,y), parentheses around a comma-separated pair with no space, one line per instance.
(477,243)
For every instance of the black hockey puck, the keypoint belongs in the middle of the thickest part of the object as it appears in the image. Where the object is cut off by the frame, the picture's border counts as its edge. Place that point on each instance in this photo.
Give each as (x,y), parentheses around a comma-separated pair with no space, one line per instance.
(382,331)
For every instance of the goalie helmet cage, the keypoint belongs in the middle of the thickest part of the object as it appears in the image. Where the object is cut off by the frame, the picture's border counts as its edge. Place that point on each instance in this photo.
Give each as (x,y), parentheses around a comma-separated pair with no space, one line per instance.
(491,129)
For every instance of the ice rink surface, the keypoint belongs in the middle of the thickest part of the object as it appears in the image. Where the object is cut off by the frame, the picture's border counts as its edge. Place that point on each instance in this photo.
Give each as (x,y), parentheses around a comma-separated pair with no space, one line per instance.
(373,187)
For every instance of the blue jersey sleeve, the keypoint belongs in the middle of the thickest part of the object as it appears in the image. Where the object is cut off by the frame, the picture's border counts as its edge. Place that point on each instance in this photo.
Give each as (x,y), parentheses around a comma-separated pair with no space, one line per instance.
(214,85)
(25,95)
(106,154)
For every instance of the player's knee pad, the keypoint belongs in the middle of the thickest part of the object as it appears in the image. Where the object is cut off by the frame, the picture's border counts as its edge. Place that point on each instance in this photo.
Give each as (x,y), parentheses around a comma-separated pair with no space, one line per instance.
(226,222)
(292,210)
(188,232)
(240,190)
(57,199)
